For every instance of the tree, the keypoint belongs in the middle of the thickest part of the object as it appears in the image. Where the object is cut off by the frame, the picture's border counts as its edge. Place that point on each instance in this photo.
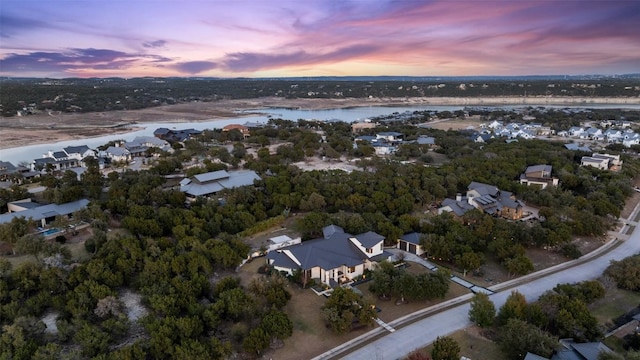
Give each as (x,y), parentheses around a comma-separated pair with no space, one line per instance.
(277,324)
(519,337)
(519,265)
(626,272)
(445,348)
(513,308)
(468,261)
(482,311)
(256,341)
(344,308)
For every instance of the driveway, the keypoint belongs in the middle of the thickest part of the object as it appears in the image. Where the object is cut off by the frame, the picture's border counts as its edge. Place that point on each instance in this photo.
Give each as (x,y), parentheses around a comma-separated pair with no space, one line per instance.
(421,333)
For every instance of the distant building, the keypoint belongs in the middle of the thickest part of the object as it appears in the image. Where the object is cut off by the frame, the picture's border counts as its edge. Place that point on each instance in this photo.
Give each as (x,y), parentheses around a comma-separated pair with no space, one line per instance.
(359,126)
(42,213)
(244,130)
(602,161)
(210,183)
(538,175)
(486,198)
(176,136)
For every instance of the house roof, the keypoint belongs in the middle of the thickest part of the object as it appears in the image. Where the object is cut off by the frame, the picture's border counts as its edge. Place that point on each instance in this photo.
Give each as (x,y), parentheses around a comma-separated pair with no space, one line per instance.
(369,239)
(580,351)
(161,131)
(45,211)
(328,231)
(413,238)
(576,147)
(279,239)
(326,253)
(390,133)
(426,140)
(215,181)
(7,168)
(211,176)
(457,207)
(483,189)
(60,155)
(80,149)
(117,151)
(531,356)
(536,168)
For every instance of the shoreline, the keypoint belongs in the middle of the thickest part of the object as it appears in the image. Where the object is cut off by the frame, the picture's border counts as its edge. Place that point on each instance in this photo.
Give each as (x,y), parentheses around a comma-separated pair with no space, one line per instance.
(17,131)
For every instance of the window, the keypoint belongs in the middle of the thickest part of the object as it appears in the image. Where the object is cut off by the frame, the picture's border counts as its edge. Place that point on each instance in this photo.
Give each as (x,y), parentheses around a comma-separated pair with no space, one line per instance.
(369,251)
(351,269)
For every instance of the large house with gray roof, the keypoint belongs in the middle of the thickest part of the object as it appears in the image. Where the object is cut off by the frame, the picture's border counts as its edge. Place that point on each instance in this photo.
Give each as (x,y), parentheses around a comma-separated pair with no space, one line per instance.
(210,183)
(41,213)
(336,258)
(486,198)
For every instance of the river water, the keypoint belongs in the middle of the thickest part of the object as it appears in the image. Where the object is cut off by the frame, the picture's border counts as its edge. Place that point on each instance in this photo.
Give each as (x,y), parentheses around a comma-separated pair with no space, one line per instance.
(30,152)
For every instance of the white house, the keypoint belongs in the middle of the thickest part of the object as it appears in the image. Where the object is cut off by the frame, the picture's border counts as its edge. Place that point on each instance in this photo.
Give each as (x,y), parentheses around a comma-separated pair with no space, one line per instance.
(411,243)
(334,259)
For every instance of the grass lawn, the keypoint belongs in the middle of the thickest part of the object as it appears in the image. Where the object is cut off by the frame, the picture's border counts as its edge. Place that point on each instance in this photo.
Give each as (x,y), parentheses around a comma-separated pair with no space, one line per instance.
(473,345)
(615,303)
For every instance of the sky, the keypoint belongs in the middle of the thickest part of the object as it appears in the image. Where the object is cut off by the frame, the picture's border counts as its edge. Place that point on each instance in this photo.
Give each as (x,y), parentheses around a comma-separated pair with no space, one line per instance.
(279,38)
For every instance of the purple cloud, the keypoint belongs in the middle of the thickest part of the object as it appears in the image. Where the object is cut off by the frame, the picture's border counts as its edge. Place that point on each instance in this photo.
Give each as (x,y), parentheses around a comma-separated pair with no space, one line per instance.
(194,67)
(12,25)
(72,60)
(154,44)
(245,61)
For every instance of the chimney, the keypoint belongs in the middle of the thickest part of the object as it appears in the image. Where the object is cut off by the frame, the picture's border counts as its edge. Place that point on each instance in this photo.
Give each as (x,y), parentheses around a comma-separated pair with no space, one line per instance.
(458,197)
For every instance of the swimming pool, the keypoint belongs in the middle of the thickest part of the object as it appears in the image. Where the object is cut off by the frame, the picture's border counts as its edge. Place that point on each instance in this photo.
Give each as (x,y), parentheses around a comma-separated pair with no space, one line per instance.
(50,232)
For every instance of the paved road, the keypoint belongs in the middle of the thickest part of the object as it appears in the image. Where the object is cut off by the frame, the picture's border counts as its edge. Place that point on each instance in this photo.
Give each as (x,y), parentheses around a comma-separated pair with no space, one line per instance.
(404,340)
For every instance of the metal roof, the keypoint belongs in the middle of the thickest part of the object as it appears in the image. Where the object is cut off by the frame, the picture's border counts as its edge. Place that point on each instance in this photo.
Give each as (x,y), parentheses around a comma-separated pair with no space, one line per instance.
(45,211)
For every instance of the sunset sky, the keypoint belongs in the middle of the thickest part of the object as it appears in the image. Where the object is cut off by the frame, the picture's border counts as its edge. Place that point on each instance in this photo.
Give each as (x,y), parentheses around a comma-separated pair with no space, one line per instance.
(274,38)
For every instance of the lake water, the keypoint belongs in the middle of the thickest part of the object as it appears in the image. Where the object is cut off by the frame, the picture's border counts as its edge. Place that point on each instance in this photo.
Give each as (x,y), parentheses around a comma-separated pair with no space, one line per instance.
(28,153)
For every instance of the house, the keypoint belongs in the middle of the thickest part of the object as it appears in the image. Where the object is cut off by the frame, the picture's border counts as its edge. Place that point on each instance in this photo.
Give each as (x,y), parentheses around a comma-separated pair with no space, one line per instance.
(390,136)
(174,136)
(631,140)
(42,213)
(602,161)
(382,148)
(140,144)
(411,243)
(570,350)
(426,140)
(538,175)
(241,128)
(55,160)
(336,258)
(576,147)
(486,198)
(359,126)
(117,153)
(598,163)
(482,138)
(575,131)
(281,241)
(458,207)
(79,152)
(7,169)
(213,182)
(591,133)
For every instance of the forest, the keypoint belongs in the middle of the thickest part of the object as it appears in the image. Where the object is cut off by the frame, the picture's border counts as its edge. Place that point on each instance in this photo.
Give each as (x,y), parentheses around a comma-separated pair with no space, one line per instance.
(106,94)
(170,252)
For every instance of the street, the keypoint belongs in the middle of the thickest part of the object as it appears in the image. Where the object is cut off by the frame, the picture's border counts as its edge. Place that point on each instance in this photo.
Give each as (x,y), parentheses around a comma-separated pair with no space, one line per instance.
(404,340)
